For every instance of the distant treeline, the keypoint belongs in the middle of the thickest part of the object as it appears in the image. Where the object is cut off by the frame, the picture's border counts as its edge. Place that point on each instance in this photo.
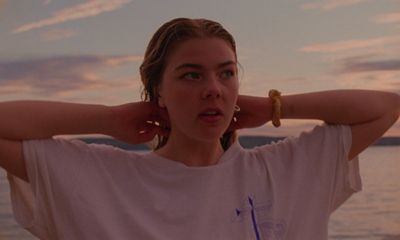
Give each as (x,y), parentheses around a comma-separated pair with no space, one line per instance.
(245,141)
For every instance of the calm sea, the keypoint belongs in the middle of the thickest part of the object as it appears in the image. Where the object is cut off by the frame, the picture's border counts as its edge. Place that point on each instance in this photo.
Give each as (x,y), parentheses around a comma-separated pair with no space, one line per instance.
(373,214)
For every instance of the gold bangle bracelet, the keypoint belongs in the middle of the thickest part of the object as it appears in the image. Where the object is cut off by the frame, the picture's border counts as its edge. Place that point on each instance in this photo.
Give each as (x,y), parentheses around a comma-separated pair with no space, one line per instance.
(275,96)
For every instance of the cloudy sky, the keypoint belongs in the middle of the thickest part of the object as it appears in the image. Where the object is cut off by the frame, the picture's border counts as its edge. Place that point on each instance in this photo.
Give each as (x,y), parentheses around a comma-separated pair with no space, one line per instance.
(89,51)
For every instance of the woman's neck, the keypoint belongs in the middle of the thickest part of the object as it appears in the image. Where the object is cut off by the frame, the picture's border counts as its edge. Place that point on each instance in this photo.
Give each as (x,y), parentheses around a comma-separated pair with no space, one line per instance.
(191,152)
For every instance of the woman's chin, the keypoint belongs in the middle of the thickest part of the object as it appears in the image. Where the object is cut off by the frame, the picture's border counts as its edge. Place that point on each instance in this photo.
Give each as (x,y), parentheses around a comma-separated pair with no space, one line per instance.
(210,136)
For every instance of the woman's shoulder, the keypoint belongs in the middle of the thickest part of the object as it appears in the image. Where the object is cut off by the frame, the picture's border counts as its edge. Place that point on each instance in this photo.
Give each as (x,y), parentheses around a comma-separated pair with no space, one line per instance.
(314,141)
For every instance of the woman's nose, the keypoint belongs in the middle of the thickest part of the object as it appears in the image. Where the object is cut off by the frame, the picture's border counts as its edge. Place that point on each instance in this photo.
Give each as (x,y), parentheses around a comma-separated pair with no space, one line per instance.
(212,88)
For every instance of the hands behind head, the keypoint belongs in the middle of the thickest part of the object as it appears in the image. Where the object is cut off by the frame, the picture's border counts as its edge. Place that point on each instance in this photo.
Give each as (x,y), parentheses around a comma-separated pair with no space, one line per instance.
(254,112)
(139,122)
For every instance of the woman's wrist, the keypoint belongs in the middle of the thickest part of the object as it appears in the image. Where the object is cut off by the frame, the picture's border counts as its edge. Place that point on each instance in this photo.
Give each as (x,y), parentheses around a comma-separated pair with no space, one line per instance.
(112,119)
(259,108)
(268,109)
(275,97)
(86,119)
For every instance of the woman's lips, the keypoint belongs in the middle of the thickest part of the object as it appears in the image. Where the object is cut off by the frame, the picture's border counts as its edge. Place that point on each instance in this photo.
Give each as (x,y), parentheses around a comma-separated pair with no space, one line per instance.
(210,119)
(211,115)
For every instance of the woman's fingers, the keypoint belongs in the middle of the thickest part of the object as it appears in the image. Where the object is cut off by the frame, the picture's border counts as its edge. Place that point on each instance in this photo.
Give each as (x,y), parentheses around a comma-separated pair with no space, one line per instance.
(154,127)
(163,131)
(157,122)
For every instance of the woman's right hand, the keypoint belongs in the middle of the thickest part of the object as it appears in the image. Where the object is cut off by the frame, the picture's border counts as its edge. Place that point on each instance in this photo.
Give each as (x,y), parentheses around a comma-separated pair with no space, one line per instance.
(139,122)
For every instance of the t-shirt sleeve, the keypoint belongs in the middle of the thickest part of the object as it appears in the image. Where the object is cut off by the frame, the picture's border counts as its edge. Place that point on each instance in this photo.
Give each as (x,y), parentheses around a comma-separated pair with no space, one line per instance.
(53,167)
(315,165)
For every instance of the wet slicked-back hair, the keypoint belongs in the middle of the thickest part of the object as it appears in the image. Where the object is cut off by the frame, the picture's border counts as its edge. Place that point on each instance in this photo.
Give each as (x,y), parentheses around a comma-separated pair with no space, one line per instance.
(168,36)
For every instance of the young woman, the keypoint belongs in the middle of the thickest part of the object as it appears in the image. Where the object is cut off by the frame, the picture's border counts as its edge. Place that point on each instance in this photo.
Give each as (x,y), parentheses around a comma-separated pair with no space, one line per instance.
(198,183)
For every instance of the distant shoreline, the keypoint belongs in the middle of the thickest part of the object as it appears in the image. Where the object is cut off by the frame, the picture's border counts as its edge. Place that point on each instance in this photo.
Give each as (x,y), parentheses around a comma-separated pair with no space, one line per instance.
(261,140)
(246,141)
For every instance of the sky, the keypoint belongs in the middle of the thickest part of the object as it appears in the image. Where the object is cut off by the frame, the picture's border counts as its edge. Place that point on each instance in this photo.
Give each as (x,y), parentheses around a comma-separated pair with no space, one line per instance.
(90,51)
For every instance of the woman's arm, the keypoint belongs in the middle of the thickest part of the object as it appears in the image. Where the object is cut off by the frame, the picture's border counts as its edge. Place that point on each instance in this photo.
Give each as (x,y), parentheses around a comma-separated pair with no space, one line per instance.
(369,113)
(23,120)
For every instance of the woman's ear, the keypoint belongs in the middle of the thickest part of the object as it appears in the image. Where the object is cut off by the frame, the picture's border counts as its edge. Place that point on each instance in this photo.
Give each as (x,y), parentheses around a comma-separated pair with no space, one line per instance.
(160,100)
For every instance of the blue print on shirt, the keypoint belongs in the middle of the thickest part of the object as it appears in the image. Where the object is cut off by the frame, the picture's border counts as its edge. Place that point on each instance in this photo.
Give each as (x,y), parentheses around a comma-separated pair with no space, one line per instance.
(257,214)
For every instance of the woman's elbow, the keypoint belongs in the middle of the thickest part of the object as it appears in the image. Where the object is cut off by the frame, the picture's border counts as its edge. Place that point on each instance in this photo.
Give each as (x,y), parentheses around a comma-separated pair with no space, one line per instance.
(392,104)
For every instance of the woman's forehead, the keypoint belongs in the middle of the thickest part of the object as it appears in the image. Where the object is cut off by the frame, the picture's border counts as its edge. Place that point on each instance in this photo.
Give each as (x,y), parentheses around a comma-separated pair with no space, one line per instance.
(201,51)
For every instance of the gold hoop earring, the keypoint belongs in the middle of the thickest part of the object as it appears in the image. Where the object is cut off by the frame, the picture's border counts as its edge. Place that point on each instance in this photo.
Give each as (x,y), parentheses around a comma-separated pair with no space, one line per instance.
(236,110)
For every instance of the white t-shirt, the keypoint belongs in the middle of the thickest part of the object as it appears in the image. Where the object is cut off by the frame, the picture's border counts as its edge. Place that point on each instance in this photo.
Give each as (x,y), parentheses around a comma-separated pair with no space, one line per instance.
(284,190)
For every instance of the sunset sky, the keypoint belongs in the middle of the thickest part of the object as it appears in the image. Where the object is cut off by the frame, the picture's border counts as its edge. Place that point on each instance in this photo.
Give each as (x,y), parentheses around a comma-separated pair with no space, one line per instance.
(90,51)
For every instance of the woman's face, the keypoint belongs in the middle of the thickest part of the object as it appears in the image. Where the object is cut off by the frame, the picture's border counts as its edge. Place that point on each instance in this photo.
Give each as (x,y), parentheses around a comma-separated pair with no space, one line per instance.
(199,88)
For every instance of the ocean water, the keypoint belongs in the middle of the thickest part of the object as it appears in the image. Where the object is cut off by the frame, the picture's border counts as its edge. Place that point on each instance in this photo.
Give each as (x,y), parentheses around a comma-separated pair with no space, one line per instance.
(372,214)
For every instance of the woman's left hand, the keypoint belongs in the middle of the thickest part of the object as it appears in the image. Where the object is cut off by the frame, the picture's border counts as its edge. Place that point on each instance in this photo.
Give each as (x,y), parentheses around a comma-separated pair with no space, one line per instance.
(254,112)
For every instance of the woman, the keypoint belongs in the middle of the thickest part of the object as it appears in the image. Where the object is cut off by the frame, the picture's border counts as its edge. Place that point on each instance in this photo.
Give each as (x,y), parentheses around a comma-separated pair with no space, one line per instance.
(198,183)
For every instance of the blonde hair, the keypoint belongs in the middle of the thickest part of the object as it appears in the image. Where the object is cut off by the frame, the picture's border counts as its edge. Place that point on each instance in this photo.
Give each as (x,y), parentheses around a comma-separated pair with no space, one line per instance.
(169,35)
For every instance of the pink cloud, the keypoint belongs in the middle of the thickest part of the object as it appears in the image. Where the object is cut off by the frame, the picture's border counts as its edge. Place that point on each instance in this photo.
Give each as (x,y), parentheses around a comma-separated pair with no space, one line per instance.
(366,73)
(57,34)
(57,75)
(330,4)
(352,44)
(393,17)
(352,65)
(88,9)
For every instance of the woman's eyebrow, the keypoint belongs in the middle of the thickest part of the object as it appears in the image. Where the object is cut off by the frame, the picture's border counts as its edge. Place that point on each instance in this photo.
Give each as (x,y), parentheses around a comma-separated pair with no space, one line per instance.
(227,63)
(188,65)
(199,66)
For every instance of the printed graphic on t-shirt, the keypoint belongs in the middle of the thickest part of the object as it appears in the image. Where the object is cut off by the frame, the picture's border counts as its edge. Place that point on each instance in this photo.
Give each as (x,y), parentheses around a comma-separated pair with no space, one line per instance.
(257,214)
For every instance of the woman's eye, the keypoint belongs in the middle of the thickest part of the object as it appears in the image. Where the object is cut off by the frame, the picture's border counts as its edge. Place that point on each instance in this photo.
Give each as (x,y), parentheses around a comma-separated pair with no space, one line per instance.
(227,74)
(191,76)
